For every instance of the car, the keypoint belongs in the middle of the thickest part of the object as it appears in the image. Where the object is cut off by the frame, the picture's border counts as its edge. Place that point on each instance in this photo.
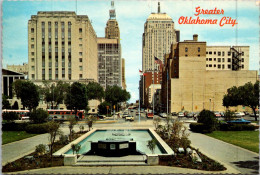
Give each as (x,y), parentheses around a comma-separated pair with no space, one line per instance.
(239,114)
(163,115)
(180,114)
(129,117)
(174,114)
(190,115)
(239,121)
(125,114)
(217,114)
(101,117)
(149,115)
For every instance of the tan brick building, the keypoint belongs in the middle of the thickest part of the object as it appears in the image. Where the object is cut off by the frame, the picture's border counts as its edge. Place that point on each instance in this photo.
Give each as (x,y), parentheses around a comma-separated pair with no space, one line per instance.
(61,46)
(123,74)
(224,57)
(191,87)
(19,68)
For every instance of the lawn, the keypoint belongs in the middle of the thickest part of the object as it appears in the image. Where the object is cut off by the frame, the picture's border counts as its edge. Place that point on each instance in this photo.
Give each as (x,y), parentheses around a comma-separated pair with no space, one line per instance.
(245,139)
(12,136)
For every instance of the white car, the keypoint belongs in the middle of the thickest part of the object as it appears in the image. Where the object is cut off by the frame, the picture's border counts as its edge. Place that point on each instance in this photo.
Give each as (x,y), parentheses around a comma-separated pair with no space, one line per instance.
(239,114)
(163,115)
(130,118)
(180,114)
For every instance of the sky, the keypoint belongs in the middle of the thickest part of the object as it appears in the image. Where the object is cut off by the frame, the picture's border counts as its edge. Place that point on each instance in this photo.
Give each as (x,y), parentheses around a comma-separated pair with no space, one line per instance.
(131,16)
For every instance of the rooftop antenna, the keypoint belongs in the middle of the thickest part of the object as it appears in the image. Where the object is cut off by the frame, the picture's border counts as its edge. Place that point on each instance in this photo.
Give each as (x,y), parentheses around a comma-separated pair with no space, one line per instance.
(159,9)
(112,12)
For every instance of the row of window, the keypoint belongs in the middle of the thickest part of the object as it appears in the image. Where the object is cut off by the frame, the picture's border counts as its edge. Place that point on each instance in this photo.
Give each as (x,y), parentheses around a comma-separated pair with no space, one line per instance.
(223,66)
(223,59)
(223,53)
(186,49)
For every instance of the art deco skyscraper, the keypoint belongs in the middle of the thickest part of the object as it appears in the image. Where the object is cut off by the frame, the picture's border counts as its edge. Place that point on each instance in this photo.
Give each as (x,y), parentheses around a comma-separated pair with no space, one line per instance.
(109,53)
(61,46)
(159,34)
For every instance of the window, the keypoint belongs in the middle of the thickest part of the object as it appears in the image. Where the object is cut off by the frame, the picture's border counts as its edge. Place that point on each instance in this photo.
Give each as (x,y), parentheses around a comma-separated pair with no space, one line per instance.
(32,46)
(219,53)
(223,59)
(32,53)
(214,53)
(210,53)
(242,53)
(80,45)
(199,55)
(219,66)
(219,59)
(206,65)
(80,39)
(207,59)
(80,68)
(80,60)
(80,53)
(186,55)
(214,65)
(32,30)
(198,49)
(32,39)
(223,66)
(80,75)
(210,59)
(207,52)
(214,59)
(32,67)
(229,66)
(33,76)
(186,49)
(32,59)
(210,65)
(229,60)
(229,53)
(242,66)
(223,53)
(242,60)
(80,30)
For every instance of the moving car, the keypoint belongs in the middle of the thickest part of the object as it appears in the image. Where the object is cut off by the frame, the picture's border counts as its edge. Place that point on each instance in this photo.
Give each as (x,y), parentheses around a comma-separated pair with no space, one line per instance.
(129,117)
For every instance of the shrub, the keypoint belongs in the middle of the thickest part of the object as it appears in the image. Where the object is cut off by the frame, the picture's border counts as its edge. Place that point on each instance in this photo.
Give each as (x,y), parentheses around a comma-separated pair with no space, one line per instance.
(151,145)
(40,149)
(229,115)
(14,126)
(75,148)
(208,119)
(10,116)
(81,128)
(37,128)
(63,139)
(200,128)
(39,116)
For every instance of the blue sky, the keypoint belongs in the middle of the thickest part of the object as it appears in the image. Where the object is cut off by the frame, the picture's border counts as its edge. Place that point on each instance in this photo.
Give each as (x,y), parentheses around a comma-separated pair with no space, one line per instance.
(131,16)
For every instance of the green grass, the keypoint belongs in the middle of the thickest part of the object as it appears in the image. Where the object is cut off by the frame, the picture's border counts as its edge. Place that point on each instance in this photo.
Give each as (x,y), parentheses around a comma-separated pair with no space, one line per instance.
(245,139)
(12,136)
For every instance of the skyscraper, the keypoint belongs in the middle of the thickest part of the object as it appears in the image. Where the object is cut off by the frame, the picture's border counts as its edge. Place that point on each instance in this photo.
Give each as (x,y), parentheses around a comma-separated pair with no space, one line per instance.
(61,46)
(159,34)
(109,53)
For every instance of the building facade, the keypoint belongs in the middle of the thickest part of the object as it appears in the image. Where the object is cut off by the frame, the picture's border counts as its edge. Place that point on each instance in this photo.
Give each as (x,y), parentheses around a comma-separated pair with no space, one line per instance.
(61,46)
(193,88)
(19,68)
(123,74)
(159,34)
(109,62)
(227,58)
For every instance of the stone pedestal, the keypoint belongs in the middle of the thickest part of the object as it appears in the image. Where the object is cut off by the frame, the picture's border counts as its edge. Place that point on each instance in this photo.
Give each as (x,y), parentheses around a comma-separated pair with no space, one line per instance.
(152,159)
(70,160)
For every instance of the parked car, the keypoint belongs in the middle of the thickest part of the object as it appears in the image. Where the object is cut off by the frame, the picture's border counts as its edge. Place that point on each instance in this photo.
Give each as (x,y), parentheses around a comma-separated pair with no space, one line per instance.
(174,114)
(239,114)
(180,114)
(125,114)
(217,114)
(149,115)
(129,117)
(101,117)
(163,115)
(190,115)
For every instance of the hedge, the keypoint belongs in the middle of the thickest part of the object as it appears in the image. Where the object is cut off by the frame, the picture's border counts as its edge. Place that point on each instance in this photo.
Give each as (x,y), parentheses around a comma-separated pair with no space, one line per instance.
(236,127)
(37,128)
(200,127)
(14,126)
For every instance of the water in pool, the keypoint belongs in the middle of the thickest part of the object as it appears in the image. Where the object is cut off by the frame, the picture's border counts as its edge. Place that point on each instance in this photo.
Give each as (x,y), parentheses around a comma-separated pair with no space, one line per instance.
(141,137)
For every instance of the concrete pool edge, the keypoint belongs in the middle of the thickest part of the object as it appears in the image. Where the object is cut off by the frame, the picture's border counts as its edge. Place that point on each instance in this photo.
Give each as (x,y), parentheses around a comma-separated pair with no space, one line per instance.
(162,143)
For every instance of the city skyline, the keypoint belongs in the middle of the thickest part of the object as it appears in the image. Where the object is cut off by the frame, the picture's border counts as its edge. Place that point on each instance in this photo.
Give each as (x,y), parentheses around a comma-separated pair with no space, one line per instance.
(131,17)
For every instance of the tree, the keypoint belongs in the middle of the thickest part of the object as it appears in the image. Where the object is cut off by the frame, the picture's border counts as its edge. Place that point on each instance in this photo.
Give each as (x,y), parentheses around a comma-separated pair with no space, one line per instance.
(76,98)
(39,116)
(95,91)
(102,108)
(72,123)
(246,95)
(54,131)
(28,93)
(15,106)
(54,93)
(115,95)
(5,102)
(90,120)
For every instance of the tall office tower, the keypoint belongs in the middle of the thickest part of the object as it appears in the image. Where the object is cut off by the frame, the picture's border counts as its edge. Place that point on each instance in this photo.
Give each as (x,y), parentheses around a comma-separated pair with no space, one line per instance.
(109,54)
(112,29)
(159,34)
(61,46)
